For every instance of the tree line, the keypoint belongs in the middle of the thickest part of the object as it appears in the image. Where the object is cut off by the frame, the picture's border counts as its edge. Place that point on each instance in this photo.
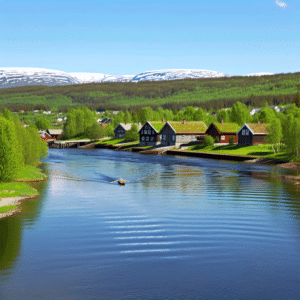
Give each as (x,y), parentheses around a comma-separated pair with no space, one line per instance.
(19,146)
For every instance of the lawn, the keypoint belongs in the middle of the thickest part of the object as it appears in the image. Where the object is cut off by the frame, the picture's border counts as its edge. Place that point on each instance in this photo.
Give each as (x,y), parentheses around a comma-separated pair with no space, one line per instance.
(30,173)
(15,189)
(263,150)
(8,208)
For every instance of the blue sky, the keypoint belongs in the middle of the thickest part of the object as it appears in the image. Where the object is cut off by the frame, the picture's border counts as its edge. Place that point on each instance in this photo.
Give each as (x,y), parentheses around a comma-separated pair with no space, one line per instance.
(128,37)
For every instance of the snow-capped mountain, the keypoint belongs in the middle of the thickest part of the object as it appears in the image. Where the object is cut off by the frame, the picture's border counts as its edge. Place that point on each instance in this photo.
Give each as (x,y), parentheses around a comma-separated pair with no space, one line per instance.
(14,77)
(85,77)
(172,74)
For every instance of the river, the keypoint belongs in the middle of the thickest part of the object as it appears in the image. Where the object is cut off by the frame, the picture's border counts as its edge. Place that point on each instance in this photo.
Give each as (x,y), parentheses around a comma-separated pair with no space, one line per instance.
(181,228)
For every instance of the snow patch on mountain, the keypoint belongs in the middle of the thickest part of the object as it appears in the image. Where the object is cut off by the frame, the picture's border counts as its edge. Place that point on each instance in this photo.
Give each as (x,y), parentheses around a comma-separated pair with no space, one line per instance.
(259,74)
(85,77)
(14,77)
(173,74)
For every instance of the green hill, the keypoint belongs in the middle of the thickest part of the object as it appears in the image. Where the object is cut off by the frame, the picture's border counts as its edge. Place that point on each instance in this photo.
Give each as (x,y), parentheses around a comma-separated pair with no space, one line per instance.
(208,93)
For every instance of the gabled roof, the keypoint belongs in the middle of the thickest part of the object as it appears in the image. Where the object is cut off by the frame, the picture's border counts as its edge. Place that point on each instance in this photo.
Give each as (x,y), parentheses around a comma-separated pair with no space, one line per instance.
(188,127)
(156,126)
(226,127)
(127,126)
(255,128)
(55,131)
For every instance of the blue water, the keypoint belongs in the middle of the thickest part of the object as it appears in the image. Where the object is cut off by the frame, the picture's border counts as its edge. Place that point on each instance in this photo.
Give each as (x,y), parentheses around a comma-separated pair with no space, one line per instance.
(181,228)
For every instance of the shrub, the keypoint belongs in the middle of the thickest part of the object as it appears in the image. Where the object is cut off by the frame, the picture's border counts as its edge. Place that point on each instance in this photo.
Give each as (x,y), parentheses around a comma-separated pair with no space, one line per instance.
(132,134)
(208,141)
(231,140)
(217,139)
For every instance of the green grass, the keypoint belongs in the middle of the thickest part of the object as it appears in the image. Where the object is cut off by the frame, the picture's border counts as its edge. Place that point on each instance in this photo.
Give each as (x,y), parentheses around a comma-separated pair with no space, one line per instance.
(111,141)
(29,173)
(7,208)
(15,189)
(263,150)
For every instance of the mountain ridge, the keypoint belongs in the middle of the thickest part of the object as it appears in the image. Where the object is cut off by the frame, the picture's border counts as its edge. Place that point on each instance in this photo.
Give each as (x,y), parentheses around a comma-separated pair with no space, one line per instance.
(18,76)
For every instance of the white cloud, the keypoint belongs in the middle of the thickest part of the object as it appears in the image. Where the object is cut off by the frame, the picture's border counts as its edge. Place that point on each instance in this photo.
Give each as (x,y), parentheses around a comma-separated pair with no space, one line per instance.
(281,4)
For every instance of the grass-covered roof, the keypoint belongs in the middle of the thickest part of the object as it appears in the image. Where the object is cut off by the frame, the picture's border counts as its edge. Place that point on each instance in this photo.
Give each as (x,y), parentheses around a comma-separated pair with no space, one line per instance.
(227,127)
(188,127)
(258,128)
(157,125)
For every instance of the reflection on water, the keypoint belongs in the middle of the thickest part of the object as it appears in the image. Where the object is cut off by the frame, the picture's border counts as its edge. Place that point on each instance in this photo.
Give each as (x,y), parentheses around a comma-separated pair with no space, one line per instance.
(180,228)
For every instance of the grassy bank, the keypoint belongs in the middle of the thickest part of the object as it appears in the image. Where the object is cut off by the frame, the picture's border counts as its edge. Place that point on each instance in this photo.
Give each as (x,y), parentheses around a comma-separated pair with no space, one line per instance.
(16,188)
(260,151)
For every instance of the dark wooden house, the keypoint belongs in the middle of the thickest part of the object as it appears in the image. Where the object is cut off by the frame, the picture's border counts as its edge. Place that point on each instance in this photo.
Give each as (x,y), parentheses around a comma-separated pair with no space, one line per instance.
(181,132)
(252,134)
(121,129)
(223,131)
(149,133)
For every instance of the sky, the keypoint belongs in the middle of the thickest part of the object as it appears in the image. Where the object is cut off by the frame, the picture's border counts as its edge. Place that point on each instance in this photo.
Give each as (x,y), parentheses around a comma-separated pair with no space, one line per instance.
(129,37)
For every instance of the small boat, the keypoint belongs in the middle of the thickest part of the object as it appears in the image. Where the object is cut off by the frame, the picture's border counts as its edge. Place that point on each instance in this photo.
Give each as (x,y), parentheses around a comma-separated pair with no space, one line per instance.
(120,181)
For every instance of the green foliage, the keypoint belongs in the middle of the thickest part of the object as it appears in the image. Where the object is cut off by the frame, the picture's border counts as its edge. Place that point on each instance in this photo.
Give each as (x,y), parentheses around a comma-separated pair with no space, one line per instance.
(231,140)
(208,141)
(239,113)
(95,132)
(132,133)
(217,139)
(78,121)
(110,130)
(146,114)
(275,135)
(42,123)
(4,209)
(11,160)
(297,99)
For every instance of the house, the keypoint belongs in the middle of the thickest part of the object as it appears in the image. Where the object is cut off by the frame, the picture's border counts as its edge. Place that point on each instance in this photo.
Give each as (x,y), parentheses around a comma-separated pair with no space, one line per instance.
(223,131)
(252,134)
(55,133)
(149,133)
(45,135)
(255,111)
(121,129)
(182,132)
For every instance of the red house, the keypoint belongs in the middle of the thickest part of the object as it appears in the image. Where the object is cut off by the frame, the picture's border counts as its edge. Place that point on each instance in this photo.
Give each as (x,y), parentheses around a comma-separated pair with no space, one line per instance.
(223,131)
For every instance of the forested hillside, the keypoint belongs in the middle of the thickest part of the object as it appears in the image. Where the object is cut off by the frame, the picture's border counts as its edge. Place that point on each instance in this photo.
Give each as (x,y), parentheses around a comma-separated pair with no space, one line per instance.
(208,93)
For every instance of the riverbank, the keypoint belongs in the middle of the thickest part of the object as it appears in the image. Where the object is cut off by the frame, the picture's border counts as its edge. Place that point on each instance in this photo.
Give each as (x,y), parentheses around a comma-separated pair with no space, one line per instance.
(12,193)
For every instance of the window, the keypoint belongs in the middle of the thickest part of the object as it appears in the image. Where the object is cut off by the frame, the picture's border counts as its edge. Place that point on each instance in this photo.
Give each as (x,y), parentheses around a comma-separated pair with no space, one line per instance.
(173,138)
(147,138)
(247,131)
(243,132)
(143,138)
(152,138)
(164,137)
(222,137)
(149,131)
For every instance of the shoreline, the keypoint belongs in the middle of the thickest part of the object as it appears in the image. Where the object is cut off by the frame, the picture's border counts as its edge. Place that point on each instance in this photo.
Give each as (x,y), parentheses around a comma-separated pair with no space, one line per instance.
(16,200)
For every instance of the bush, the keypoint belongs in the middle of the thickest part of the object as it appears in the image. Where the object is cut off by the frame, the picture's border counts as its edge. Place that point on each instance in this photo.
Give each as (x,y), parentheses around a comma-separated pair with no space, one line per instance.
(217,139)
(132,134)
(208,141)
(231,140)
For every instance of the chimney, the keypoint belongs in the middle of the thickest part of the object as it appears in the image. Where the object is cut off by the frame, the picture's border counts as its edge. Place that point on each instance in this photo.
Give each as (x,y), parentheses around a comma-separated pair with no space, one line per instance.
(184,121)
(258,122)
(222,122)
(163,120)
